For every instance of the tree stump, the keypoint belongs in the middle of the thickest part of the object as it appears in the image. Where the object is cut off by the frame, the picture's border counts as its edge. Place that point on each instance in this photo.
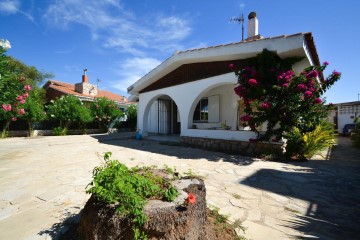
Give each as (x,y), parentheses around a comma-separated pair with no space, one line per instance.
(166,220)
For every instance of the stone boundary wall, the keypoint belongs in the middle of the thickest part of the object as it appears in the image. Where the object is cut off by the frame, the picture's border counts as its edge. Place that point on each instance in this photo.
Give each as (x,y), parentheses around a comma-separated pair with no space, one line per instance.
(234,146)
(24,133)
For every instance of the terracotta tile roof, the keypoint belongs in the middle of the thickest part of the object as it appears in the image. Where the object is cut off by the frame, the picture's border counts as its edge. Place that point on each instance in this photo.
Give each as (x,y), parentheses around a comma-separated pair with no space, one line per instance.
(68,88)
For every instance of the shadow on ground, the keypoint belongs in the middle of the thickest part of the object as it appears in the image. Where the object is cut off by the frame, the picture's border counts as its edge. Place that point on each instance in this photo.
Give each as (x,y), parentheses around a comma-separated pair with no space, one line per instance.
(64,230)
(174,149)
(332,188)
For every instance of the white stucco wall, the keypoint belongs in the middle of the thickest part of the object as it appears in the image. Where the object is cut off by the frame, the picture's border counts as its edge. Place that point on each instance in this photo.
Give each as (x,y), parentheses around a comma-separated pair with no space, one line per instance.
(186,97)
(227,107)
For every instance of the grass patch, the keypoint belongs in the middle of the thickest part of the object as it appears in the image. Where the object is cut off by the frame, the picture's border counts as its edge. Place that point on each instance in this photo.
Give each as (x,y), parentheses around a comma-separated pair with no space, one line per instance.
(223,229)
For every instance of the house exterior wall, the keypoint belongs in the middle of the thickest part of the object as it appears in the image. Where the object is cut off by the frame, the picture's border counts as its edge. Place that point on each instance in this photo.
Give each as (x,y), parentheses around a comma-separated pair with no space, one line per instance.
(227,107)
(186,97)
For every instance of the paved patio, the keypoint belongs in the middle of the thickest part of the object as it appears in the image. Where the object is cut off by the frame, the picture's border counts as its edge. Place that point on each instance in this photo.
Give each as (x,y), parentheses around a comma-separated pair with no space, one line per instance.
(42,182)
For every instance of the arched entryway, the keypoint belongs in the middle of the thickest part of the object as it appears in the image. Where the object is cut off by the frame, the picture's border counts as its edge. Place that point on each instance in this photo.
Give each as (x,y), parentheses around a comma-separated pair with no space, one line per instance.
(161,116)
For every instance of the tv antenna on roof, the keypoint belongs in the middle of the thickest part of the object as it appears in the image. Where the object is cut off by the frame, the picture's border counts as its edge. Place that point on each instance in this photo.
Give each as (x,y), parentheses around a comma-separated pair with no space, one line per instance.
(98,81)
(239,20)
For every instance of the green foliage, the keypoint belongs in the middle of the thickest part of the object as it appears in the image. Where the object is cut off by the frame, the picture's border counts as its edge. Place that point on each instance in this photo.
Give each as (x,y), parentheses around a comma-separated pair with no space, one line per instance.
(221,223)
(60,131)
(14,76)
(306,145)
(129,189)
(34,108)
(104,111)
(69,109)
(131,114)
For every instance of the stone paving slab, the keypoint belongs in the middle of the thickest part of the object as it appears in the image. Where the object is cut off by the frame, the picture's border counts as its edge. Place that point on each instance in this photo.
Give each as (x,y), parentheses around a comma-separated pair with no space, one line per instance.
(43,180)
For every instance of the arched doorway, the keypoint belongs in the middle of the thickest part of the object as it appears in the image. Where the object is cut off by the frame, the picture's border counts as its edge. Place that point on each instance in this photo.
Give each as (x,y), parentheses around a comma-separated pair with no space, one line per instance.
(162,116)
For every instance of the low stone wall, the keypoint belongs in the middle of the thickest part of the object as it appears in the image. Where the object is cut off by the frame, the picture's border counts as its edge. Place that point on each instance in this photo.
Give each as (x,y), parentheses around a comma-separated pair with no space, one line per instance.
(24,133)
(234,146)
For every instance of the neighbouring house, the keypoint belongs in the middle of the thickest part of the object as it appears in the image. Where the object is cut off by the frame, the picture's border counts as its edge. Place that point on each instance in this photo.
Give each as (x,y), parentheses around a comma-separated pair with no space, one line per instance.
(192,92)
(84,90)
(344,115)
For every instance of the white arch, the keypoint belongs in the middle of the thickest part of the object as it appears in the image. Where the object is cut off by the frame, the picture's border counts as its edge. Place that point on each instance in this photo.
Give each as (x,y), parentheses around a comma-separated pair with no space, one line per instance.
(146,109)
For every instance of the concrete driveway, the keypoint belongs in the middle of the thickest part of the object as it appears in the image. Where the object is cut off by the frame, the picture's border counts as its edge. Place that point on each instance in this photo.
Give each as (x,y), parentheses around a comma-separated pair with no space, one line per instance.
(43,180)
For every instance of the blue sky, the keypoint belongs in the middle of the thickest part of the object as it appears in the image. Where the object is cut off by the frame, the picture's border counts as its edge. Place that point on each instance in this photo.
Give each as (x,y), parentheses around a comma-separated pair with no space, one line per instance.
(119,41)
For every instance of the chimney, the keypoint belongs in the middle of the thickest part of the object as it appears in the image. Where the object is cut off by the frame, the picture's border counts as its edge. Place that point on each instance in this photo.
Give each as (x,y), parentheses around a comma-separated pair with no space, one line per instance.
(85,78)
(253,26)
(85,87)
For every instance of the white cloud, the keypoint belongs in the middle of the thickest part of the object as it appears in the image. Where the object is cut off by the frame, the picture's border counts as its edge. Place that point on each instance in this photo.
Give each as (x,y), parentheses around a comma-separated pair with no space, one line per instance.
(132,69)
(9,6)
(116,27)
(13,7)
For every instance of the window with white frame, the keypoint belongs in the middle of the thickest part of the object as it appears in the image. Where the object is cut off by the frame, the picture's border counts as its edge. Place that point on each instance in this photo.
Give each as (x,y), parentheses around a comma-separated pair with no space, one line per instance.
(201,113)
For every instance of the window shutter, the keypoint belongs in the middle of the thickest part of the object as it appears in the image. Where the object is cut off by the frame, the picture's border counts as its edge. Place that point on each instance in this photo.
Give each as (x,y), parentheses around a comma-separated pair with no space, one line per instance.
(214,108)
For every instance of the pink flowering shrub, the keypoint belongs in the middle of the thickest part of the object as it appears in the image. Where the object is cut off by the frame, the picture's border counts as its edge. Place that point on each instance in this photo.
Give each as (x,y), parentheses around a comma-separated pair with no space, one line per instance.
(272,93)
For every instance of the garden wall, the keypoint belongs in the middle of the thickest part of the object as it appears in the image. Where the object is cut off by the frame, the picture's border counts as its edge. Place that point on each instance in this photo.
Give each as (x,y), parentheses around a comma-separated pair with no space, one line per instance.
(236,147)
(24,133)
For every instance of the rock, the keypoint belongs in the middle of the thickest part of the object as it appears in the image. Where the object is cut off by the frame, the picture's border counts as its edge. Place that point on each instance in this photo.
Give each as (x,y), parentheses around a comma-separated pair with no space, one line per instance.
(165,220)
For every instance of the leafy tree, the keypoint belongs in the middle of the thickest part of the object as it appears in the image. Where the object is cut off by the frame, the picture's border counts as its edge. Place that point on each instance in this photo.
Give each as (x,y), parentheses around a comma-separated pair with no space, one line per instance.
(131,115)
(274,95)
(16,80)
(34,108)
(69,109)
(104,111)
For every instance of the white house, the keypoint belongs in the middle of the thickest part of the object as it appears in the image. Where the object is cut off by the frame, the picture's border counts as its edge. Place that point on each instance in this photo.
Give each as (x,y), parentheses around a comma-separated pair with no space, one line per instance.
(192,92)
(345,113)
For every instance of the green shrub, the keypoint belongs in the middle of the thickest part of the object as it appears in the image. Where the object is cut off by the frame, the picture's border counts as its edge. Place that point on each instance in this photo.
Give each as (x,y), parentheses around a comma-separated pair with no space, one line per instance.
(129,189)
(59,131)
(305,146)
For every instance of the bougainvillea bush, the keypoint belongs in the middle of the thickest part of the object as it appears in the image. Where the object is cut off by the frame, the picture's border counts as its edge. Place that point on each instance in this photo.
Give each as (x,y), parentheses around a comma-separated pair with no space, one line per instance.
(274,95)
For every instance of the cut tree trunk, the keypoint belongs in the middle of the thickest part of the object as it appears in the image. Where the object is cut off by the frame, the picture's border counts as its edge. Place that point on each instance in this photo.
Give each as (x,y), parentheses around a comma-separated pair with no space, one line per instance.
(166,220)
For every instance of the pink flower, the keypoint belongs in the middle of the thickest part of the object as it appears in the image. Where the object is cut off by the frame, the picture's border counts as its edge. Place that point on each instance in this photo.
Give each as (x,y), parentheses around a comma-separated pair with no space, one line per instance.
(99,119)
(13,119)
(231,66)
(325,63)
(6,107)
(104,117)
(245,118)
(318,100)
(27,87)
(307,94)
(265,105)
(108,120)
(22,111)
(19,98)
(22,101)
(191,198)
(239,90)
(252,82)
(312,74)
(25,95)
(285,85)
(311,83)
(301,87)
(336,73)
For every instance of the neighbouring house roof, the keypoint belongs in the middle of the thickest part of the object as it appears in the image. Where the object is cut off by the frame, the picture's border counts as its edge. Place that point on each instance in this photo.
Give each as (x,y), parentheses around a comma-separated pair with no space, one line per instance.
(68,88)
(347,103)
(299,44)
